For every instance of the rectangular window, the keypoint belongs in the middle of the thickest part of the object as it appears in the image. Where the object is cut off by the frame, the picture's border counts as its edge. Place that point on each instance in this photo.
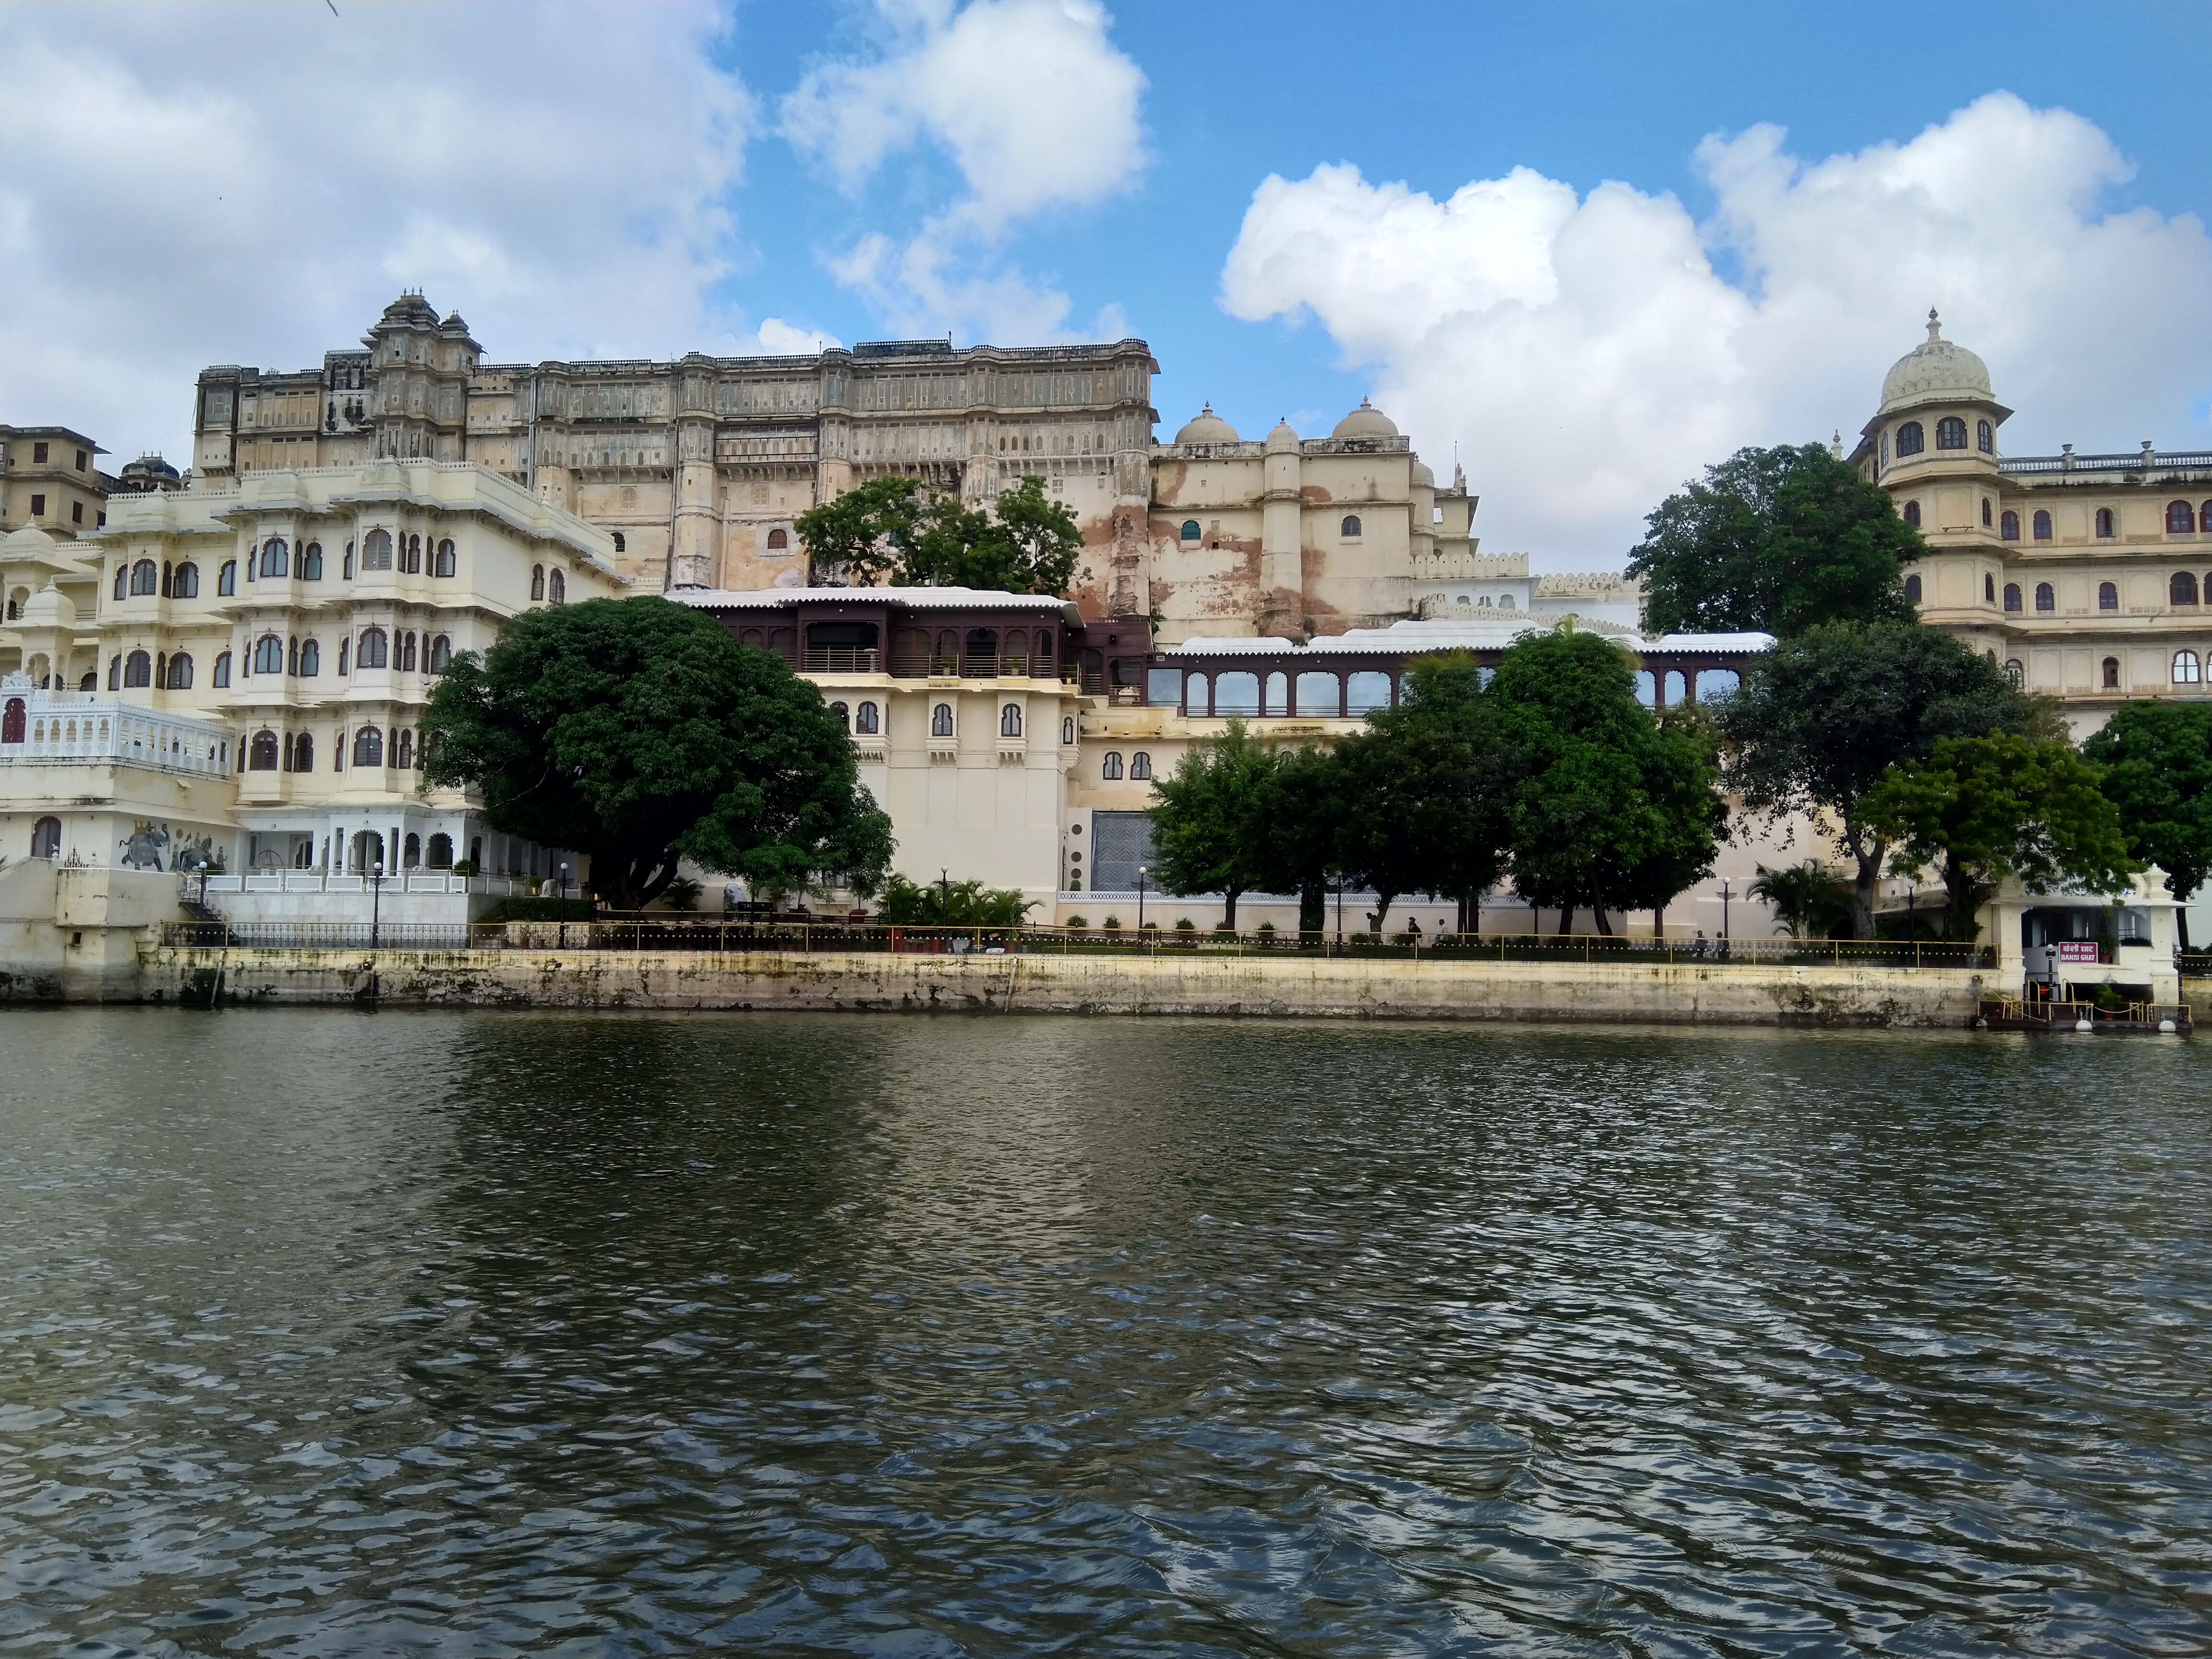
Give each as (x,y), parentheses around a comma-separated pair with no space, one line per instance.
(38,452)
(80,460)
(1163,687)
(38,503)
(76,512)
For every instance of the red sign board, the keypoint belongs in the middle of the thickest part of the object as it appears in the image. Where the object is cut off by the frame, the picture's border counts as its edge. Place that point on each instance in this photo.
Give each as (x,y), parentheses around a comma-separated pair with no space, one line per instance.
(2077,949)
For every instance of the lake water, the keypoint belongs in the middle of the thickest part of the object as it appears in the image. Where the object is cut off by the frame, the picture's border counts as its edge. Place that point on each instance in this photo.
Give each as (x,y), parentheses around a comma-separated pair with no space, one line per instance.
(327,1333)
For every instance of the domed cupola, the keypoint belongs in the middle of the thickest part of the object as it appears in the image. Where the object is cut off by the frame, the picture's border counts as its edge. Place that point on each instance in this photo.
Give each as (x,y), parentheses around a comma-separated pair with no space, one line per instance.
(1208,429)
(1937,371)
(1283,440)
(1365,422)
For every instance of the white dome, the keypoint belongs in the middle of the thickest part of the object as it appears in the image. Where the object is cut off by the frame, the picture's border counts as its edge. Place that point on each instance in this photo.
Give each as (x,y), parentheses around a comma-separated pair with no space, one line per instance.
(28,543)
(1423,478)
(49,608)
(1365,422)
(1208,429)
(1282,438)
(1935,370)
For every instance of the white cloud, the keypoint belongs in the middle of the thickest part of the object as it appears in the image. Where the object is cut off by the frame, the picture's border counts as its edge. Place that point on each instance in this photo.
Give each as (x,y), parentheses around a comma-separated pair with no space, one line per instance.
(777,339)
(1587,357)
(186,185)
(1036,110)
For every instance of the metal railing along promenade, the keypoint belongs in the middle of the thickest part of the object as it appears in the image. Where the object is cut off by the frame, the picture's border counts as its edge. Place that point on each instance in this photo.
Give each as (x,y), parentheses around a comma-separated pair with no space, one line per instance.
(664,931)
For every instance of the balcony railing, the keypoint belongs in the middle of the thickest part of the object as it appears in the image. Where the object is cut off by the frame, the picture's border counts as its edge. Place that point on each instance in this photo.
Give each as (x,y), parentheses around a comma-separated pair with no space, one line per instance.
(88,729)
(2144,460)
(915,665)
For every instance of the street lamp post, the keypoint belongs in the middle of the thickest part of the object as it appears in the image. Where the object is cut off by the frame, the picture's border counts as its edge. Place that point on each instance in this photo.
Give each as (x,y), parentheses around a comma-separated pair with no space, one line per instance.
(1140,906)
(1724,915)
(563,868)
(375,899)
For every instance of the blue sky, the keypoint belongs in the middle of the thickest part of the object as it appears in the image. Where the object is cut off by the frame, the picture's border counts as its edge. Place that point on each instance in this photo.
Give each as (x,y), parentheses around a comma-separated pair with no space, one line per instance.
(1557,238)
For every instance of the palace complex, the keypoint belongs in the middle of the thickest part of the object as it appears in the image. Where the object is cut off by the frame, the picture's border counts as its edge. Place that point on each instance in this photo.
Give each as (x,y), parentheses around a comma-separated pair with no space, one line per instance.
(224,673)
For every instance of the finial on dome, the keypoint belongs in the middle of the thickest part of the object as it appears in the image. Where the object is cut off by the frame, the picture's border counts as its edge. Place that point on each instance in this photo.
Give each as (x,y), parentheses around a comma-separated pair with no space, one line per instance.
(1935,324)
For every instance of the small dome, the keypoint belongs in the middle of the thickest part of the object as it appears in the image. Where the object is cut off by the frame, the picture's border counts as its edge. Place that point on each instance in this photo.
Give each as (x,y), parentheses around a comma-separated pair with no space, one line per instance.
(49,608)
(454,325)
(1935,368)
(1208,429)
(1423,478)
(410,308)
(28,543)
(1365,422)
(1282,438)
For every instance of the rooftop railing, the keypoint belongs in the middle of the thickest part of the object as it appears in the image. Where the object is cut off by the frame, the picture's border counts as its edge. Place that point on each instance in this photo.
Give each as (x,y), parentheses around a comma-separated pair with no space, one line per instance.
(2143,460)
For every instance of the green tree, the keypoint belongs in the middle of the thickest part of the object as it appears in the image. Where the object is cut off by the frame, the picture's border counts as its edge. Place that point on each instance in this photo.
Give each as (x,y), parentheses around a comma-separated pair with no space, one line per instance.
(948,903)
(1421,799)
(1808,899)
(1820,717)
(1210,824)
(1981,809)
(891,528)
(1297,844)
(639,733)
(1611,807)
(1778,540)
(861,536)
(2157,761)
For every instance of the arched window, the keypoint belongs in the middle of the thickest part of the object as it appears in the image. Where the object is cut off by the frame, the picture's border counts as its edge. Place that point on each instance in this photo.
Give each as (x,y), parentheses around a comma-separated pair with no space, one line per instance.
(261,753)
(188,580)
(2185,668)
(145,578)
(2042,525)
(2182,589)
(556,587)
(412,561)
(1010,720)
(537,581)
(12,721)
(165,582)
(47,838)
(1350,528)
(446,566)
(778,541)
(438,855)
(311,659)
(2046,598)
(2111,674)
(620,544)
(375,650)
(940,720)
(1950,433)
(221,677)
(2012,596)
(2108,526)
(1912,588)
(376,551)
(310,562)
(368,747)
(123,580)
(269,655)
(1190,529)
(402,750)
(226,579)
(866,720)
(2179,520)
(1986,437)
(844,714)
(275,559)
(1067,731)
(2108,596)
(115,673)
(1234,693)
(303,753)
(1911,439)
(138,670)
(2008,524)
(1912,514)
(180,672)
(407,652)
(345,645)
(160,668)
(2014,672)
(441,654)
(1985,513)
(292,657)
(1989,587)
(346,570)
(1110,768)
(1140,768)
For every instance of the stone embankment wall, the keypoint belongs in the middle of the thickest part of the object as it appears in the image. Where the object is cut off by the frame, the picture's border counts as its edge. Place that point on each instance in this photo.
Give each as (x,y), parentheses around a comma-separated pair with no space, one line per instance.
(1177,983)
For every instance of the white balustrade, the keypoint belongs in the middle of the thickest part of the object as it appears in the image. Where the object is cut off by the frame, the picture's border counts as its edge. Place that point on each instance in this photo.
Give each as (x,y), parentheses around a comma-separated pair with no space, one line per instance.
(88,728)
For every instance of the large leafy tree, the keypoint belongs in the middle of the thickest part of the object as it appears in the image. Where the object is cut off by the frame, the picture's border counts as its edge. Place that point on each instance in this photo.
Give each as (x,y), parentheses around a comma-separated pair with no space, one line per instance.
(1981,809)
(894,528)
(1211,830)
(1611,807)
(2157,762)
(639,732)
(1820,717)
(1422,797)
(1296,852)
(1777,540)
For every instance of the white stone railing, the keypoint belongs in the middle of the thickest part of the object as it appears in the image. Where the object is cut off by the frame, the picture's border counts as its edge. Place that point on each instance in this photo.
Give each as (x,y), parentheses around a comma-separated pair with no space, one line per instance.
(319,881)
(1468,567)
(85,728)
